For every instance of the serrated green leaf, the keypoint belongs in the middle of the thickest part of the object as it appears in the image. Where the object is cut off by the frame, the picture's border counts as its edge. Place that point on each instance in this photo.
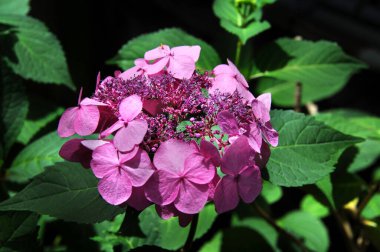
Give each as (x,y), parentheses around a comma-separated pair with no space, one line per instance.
(66,191)
(136,48)
(313,207)
(309,227)
(35,157)
(19,7)
(307,151)
(321,67)
(247,32)
(38,52)
(271,193)
(372,209)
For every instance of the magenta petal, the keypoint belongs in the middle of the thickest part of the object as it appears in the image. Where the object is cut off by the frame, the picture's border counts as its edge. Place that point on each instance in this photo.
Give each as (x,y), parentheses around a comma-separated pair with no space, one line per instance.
(184,219)
(197,171)
(171,155)
(209,151)
(74,151)
(104,159)
(227,122)
(115,188)
(212,186)
(87,120)
(126,156)
(138,200)
(261,159)
(237,156)
(117,125)
(139,168)
(224,83)
(162,188)
(153,107)
(158,52)
(250,184)
(226,195)
(166,212)
(93,144)
(133,134)
(265,99)
(239,77)
(245,93)
(190,51)
(181,67)
(66,123)
(130,107)
(255,138)
(270,134)
(191,197)
(260,111)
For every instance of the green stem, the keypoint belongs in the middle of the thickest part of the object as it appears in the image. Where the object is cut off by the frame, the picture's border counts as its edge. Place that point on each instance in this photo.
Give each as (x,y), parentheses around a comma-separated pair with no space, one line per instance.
(191,235)
(238,52)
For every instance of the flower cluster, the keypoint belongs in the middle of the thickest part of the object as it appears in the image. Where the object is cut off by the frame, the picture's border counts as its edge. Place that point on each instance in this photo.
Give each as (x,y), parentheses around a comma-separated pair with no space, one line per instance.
(172,136)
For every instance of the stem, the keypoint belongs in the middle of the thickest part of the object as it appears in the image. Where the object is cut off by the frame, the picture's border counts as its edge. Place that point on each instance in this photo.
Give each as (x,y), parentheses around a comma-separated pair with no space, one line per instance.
(279,229)
(371,192)
(347,231)
(238,52)
(297,97)
(190,236)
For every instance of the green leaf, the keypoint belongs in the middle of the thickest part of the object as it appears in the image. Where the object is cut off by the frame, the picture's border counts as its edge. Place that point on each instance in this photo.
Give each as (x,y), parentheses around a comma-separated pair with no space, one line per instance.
(136,48)
(308,227)
(181,127)
(321,67)
(271,193)
(326,187)
(19,7)
(14,107)
(307,151)
(245,33)
(38,52)
(66,191)
(376,175)
(214,244)
(225,9)
(312,206)
(35,157)
(357,124)
(372,209)
(16,225)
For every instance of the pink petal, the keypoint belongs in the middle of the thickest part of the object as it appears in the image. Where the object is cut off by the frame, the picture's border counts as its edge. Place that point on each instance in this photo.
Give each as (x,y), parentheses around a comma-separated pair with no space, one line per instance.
(181,67)
(162,187)
(212,186)
(260,112)
(115,188)
(245,93)
(117,125)
(87,120)
(223,83)
(139,168)
(270,134)
(104,159)
(237,156)
(130,107)
(130,73)
(223,69)
(141,63)
(138,200)
(66,123)
(166,212)
(209,151)
(126,156)
(227,122)
(171,155)
(88,102)
(158,52)
(239,77)
(250,184)
(191,197)
(255,138)
(133,134)
(74,151)
(266,99)
(197,170)
(190,51)
(261,159)
(226,195)
(153,107)
(157,66)
(93,144)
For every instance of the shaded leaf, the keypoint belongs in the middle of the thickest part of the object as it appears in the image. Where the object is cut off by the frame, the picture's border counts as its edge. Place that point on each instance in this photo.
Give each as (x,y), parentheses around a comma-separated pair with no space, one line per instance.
(312,206)
(19,7)
(372,209)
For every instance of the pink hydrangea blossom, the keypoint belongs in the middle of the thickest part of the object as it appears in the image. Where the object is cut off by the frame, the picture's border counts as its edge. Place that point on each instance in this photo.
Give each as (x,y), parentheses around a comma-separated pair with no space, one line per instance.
(180,61)
(140,68)
(130,131)
(228,79)
(242,179)
(119,172)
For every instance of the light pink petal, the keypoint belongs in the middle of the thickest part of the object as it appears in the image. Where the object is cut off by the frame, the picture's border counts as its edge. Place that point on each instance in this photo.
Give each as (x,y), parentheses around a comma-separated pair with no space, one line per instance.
(266,99)
(260,112)
(223,83)
(130,107)
(117,125)
(133,134)
(250,184)
(223,69)
(158,52)
(255,138)
(245,93)
(138,200)
(74,151)
(191,197)
(239,77)
(190,51)
(226,195)
(139,168)
(104,159)
(153,107)
(130,73)
(270,134)
(141,63)
(162,188)
(197,170)
(227,122)
(87,120)
(115,188)
(171,155)
(181,67)
(66,123)
(237,156)
(93,144)
(128,155)
(209,151)
(88,101)
(157,66)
